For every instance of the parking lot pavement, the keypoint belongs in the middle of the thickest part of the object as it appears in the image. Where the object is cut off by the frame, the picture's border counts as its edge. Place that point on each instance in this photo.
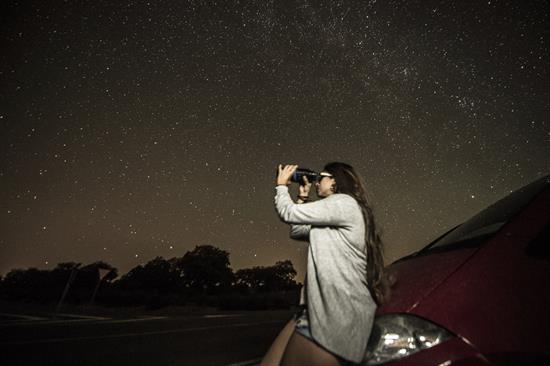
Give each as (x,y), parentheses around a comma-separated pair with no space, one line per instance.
(201,340)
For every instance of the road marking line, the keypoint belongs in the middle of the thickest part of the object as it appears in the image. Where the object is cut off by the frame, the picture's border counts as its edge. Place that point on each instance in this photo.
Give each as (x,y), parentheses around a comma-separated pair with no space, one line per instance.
(63,321)
(83,316)
(56,340)
(247,363)
(47,321)
(221,315)
(134,320)
(27,317)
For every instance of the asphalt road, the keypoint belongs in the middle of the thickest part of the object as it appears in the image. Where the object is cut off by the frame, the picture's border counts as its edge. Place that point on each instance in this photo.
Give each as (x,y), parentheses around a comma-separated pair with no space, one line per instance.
(220,340)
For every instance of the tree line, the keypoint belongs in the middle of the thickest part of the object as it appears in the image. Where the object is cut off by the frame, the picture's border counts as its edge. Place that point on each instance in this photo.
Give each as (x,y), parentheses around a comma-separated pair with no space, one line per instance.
(201,277)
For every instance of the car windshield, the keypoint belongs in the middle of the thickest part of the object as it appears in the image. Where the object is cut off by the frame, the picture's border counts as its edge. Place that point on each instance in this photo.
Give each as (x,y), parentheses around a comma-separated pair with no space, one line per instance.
(486,223)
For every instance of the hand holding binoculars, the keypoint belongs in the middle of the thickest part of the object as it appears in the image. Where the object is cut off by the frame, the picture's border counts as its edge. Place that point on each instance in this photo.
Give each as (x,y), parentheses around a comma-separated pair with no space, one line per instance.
(299,174)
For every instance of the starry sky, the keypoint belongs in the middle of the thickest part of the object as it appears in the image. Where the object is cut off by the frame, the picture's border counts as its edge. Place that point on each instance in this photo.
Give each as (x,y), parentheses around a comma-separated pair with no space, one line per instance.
(136,129)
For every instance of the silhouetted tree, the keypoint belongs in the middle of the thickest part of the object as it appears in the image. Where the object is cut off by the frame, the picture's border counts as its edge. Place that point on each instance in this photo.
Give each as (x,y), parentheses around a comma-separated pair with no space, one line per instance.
(29,284)
(158,275)
(202,276)
(62,272)
(264,279)
(284,273)
(206,269)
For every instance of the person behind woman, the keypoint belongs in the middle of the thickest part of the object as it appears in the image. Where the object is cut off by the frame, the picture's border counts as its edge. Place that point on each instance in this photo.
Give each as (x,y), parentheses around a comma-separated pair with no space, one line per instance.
(345,278)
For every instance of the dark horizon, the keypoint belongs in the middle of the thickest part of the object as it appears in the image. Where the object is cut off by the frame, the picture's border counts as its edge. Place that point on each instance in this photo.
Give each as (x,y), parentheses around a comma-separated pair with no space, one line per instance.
(121,274)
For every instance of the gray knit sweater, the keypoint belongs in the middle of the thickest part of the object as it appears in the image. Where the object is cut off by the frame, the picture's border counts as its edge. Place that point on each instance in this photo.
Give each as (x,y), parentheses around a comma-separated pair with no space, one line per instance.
(340,307)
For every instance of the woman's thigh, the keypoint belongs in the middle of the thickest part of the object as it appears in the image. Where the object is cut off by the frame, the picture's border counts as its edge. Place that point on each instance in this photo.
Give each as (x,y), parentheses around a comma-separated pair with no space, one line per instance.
(275,352)
(301,351)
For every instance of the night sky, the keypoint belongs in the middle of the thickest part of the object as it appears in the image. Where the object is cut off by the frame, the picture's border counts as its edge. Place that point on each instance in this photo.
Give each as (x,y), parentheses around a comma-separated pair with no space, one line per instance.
(132,129)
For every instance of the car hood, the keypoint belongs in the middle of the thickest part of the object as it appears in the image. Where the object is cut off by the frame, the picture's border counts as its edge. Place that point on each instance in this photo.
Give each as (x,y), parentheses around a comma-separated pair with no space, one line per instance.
(417,276)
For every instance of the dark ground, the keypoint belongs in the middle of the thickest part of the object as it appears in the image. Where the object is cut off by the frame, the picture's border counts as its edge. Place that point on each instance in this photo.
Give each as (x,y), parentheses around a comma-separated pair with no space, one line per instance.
(171,336)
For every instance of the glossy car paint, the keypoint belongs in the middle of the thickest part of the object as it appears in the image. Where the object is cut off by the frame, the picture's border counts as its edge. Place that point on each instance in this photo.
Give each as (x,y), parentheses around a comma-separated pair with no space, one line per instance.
(494,297)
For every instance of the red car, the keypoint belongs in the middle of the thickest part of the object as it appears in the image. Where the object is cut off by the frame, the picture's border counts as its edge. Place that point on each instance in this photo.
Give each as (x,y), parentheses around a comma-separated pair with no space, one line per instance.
(478,295)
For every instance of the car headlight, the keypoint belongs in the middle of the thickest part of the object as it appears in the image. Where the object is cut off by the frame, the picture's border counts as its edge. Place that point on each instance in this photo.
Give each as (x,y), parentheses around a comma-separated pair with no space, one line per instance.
(395,336)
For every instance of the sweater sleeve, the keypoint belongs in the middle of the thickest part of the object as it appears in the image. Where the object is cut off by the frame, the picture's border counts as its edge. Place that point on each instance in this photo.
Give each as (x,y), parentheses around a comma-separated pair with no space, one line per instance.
(300,232)
(330,211)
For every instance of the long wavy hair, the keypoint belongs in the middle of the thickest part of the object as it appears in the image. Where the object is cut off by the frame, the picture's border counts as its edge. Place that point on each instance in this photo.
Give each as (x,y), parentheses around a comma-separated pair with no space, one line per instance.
(350,183)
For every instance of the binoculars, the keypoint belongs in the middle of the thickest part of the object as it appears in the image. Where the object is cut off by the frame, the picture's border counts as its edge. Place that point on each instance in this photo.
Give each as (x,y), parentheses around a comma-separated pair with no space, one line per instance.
(300,173)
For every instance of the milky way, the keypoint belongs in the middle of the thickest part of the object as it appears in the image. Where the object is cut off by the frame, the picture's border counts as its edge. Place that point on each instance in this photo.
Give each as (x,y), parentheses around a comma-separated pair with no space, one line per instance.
(132,130)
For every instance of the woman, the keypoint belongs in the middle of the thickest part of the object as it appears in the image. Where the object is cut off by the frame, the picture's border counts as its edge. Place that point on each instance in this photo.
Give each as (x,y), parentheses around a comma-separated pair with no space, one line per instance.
(344,280)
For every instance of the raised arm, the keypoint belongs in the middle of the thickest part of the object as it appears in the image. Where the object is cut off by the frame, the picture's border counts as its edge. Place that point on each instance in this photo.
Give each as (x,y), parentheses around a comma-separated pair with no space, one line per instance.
(331,211)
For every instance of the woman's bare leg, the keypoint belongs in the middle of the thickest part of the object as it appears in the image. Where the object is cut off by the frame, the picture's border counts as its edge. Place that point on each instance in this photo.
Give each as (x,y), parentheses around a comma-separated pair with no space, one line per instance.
(301,351)
(275,353)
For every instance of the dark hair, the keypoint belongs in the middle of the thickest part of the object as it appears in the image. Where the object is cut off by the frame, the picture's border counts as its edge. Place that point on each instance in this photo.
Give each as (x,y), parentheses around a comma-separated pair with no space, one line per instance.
(350,183)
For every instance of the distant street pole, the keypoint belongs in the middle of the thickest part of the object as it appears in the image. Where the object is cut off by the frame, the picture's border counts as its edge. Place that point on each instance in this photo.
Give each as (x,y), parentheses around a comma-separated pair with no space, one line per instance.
(74,270)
